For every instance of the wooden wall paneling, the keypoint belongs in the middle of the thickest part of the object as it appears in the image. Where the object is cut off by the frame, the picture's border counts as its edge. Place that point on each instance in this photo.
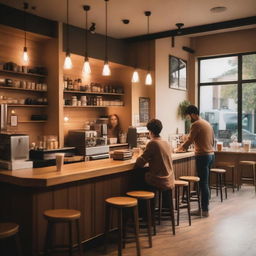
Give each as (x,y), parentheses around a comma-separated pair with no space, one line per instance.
(86,205)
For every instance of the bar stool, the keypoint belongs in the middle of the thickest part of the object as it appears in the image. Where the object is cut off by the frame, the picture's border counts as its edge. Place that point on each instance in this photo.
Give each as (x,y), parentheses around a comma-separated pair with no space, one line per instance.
(220,181)
(171,207)
(184,185)
(231,167)
(148,197)
(195,180)
(62,216)
(250,165)
(8,230)
(122,203)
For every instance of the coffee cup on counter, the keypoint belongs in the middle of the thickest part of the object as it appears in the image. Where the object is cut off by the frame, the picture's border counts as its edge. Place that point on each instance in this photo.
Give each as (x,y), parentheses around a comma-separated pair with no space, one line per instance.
(59,161)
(219,146)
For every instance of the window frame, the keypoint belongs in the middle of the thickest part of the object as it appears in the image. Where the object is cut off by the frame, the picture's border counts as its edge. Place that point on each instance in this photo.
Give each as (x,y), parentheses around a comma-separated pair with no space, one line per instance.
(239,82)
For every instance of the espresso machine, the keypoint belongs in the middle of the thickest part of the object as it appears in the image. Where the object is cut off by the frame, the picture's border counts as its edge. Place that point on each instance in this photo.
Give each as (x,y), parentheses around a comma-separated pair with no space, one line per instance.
(137,136)
(92,144)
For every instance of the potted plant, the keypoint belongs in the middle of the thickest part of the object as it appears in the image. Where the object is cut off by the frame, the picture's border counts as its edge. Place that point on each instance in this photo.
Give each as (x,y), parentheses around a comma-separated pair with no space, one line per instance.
(181,113)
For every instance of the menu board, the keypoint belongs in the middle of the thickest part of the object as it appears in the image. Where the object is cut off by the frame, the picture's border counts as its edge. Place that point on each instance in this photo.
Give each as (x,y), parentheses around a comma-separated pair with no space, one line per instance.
(144,109)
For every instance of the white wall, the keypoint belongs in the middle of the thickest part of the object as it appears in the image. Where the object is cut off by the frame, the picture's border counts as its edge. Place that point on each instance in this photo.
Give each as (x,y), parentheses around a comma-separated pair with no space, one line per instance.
(167,100)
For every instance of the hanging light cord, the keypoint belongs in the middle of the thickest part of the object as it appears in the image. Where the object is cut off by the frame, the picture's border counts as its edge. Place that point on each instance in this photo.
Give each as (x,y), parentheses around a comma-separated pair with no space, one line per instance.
(148,47)
(86,34)
(67,29)
(25,22)
(106,30)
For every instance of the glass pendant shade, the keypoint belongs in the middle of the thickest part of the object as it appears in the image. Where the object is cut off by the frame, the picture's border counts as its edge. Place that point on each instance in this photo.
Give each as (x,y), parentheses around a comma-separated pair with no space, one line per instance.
(148,80)
(135,76)
(25,56)
(106,70)
(68,62)
(86,67)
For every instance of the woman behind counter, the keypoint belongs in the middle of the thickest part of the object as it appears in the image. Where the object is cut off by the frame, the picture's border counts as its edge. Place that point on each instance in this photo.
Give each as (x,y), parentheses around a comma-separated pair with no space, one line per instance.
(114,127)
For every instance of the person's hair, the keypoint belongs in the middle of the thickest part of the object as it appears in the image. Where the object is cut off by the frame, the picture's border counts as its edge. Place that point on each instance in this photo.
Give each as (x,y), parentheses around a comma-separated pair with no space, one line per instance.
(117,129)
(155,126)
(191,109)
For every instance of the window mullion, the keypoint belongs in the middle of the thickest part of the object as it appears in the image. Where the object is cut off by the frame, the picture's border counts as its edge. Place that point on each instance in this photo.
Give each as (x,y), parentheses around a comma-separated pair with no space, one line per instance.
(240,95)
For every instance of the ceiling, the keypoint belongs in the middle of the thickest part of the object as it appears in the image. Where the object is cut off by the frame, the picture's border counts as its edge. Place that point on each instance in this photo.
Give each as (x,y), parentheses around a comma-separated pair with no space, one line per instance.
(165,13)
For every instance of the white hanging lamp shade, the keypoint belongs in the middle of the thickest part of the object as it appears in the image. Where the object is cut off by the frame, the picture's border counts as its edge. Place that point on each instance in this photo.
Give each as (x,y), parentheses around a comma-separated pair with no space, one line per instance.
(148,80)
(86,67)
(135,76)
(106,69)
(68,62)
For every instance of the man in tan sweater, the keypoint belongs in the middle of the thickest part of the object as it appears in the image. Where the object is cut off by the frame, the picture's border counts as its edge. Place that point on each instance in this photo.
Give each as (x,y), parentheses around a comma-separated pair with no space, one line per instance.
(158,155)
(202,135)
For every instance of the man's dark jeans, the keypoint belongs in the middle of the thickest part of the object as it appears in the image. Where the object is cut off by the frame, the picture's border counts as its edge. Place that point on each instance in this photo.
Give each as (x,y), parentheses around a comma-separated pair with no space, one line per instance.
(203,166)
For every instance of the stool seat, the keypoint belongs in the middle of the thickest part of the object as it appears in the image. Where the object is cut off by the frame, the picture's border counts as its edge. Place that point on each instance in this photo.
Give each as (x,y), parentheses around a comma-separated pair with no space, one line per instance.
(225,164)
(122,201)
(190,178)
(247,163)
(180,183)
(141,194)
(217,170)
(8,229)
(62,214)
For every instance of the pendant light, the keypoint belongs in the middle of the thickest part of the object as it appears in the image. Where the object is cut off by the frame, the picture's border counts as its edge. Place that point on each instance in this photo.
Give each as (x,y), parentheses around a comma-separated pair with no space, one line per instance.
(148,80)
(86,67)
(106,70)
(68,61)
(135,76)
(25,49)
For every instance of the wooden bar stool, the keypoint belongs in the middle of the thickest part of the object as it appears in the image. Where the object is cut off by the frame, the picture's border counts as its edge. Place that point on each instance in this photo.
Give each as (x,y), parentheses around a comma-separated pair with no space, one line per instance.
(184,185)
(171,207)
(68,216)
(231,167)
(195,180)
(148,197)
(220,181)
(11,230)
(122,203)
(250,166)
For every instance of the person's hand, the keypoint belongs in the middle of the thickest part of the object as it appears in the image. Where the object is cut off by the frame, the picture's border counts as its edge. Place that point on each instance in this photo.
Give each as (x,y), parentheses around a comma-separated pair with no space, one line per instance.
(179,149)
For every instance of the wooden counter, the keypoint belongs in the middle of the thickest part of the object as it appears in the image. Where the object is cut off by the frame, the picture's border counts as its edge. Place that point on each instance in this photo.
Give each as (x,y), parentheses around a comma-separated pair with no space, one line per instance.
(26,194)
(48,176)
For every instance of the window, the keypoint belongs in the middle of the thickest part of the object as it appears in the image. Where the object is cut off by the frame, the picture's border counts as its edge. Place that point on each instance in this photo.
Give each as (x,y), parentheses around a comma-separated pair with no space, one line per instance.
(227,96)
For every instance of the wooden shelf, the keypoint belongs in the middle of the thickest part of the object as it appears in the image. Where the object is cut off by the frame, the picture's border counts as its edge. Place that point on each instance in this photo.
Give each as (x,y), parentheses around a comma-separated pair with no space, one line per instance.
(27,106)
(95,93)
(21,73)
(31,121)
(86,106)
(20,89)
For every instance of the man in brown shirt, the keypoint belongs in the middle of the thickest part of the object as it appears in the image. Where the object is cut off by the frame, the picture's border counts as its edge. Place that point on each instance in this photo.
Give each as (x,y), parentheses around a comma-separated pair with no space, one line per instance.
(202,135)
(158,155)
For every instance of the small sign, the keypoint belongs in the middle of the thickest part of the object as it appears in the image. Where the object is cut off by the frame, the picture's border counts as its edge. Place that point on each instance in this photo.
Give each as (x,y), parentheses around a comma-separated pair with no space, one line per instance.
(224,134)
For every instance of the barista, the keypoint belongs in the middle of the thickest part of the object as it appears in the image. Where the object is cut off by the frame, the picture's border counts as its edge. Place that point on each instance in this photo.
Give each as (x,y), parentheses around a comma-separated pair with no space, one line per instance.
(114,127)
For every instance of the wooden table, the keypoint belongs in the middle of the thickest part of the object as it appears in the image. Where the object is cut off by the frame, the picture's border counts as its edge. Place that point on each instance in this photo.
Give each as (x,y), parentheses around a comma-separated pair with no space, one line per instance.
(26,194)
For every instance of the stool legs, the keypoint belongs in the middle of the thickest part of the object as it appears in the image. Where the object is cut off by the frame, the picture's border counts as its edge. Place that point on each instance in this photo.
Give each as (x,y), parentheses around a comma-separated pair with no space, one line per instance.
(153,215)
(160,205)
(70,239)
(120,234)
(136,229)
(149,223)
(198,196)
(18,244)
(78,237)
(172,212)
(188,206)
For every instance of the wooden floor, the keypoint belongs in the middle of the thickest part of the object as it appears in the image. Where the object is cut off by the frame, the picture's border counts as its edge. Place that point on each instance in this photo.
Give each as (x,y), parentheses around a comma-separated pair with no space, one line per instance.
(230,230)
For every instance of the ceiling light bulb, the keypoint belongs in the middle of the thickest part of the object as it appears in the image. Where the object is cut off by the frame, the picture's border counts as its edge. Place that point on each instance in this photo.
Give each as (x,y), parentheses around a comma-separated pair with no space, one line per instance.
(148,79)
(135,77)
(68,62)
(86,67)
(106,70)
(25,56)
